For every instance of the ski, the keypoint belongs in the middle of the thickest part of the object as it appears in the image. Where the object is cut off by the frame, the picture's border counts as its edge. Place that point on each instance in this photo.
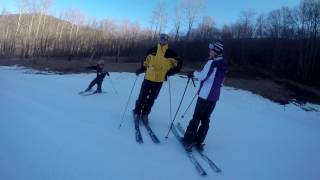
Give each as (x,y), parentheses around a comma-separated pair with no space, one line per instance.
(213,166)
(194,161)
(91,93)
(154,138)
(137,131)
(86,93)
(82,92)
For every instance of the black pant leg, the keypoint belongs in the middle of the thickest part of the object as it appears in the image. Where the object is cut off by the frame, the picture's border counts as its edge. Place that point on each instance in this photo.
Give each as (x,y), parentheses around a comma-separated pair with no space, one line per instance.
(99,84)
(192,128)
(145,87)
(93,82)
(205,121)
(153,93)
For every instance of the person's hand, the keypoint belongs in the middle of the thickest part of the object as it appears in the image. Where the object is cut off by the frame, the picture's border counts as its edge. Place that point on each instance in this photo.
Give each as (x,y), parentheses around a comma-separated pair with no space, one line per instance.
(107,73)
(190,75)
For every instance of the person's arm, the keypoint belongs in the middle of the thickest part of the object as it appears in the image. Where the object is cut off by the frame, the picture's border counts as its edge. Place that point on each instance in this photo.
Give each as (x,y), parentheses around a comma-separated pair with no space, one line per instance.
(92,67)
(203,73)
(176,67)
(151,52)
(106,73)
(143,66)
(146,62)
(176,63)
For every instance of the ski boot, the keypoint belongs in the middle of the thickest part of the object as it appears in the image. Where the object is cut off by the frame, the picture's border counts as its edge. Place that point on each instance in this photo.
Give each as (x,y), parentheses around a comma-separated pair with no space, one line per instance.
(199,146)
(187,146)
(98,91)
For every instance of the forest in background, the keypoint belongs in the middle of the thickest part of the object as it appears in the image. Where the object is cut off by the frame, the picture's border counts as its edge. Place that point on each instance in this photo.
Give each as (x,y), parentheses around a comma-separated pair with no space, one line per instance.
(283,42)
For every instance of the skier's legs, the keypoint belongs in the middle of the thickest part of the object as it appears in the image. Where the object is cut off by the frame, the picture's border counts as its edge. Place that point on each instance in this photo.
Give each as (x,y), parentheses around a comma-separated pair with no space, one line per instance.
(204,127)
(194,123)
(152,96)
(93,82)
(145,87)
(99,82)
(99,85)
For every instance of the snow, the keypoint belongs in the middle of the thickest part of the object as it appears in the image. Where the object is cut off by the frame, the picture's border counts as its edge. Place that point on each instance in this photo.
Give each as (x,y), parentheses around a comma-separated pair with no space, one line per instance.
(48,131)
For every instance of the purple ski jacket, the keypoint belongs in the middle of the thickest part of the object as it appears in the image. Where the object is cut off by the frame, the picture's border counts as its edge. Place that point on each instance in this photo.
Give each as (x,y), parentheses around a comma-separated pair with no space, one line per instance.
(211,78)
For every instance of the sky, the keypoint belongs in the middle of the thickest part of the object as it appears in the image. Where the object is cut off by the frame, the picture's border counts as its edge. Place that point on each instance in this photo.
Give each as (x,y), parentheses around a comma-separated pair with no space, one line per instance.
(140,11)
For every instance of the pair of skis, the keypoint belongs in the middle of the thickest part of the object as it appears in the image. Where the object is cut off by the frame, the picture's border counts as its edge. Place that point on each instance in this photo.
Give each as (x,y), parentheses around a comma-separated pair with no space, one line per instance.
(88,93)
(191,156)
(138,135)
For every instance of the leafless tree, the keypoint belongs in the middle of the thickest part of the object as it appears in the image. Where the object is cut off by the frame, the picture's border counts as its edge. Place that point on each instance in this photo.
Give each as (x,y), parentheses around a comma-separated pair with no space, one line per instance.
(159,18)
(309,16)
(191,11)
(206,28)
(260,26)
(246,24)
(177,22)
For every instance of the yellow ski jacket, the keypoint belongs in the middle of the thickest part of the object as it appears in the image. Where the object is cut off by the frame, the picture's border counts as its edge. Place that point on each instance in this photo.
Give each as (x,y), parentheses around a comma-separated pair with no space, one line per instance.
(160,62)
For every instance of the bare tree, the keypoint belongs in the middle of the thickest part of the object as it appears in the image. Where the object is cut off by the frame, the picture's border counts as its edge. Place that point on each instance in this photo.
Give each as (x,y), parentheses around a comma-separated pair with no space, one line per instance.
(191,10)
(260,26)
(309,16)
(177,21)
(206,28)
(159,18)
(246,24)
(309,20)
(274,24)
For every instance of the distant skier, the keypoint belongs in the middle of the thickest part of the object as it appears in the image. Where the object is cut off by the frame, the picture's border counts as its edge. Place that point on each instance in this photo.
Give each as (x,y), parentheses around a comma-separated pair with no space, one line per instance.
(160,62)
(211,78)
(99,79)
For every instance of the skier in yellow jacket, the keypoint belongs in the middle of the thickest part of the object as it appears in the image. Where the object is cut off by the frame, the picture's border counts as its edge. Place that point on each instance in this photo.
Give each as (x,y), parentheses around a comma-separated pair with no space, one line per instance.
(160,62)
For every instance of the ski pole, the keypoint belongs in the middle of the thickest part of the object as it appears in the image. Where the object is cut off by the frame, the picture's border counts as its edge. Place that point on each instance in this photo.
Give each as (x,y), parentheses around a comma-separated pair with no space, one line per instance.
(175,115)
(194,85)
(125,109)
(189,106)
(170,105)
(113,85)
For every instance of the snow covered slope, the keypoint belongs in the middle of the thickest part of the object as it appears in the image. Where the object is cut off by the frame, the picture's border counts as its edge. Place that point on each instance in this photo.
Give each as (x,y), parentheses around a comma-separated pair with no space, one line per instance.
(48,131)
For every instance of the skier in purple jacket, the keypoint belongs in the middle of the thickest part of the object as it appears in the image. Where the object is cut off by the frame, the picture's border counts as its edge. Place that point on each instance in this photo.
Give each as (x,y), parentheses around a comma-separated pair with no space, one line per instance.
(211,78)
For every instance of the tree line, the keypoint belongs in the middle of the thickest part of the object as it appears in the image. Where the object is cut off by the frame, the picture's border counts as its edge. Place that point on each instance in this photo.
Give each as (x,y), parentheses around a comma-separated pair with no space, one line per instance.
(284,41)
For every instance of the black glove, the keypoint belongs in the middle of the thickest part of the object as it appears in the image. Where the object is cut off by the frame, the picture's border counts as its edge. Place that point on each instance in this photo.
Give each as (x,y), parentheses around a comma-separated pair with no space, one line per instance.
(190,75)
(107,73)
(139,71)
(171,72)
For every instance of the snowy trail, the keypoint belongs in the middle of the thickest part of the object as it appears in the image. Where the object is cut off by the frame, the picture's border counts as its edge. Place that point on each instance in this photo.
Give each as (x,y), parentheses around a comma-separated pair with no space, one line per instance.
(48,131)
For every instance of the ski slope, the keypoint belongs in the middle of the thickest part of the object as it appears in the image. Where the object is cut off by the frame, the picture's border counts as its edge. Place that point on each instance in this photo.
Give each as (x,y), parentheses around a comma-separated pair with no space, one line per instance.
(48,131)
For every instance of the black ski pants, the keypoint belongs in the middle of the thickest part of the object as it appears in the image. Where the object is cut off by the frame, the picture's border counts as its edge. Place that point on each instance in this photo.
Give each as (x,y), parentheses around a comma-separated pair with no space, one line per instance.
(148,94)
(202,112)
(98,80)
